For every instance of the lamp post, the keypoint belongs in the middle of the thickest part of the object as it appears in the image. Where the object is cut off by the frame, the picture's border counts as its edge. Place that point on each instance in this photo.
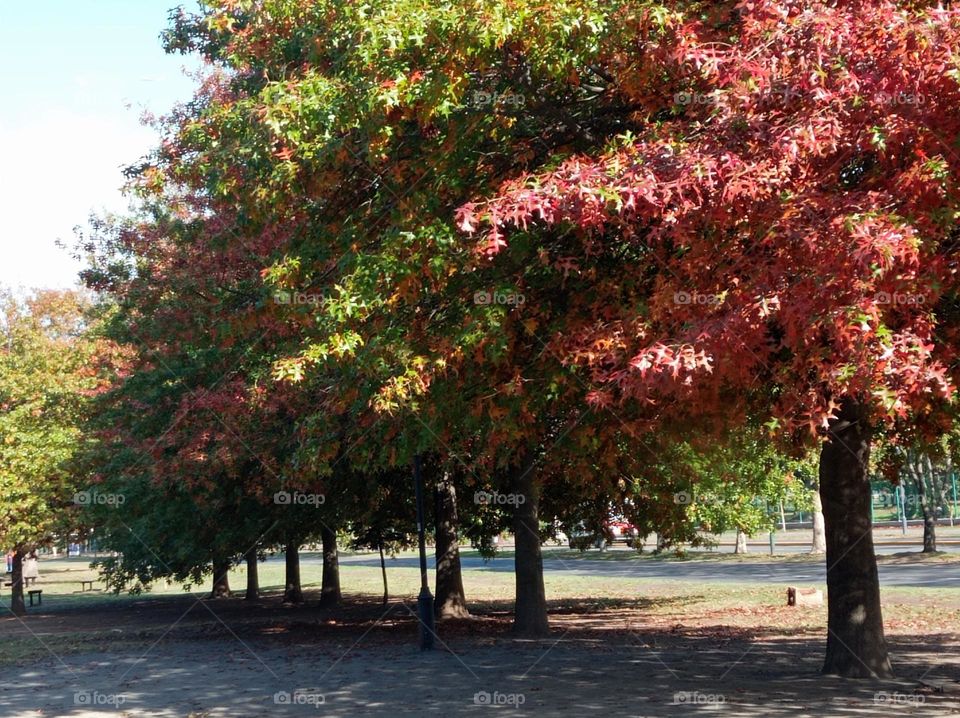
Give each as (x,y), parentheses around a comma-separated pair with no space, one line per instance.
(425,600)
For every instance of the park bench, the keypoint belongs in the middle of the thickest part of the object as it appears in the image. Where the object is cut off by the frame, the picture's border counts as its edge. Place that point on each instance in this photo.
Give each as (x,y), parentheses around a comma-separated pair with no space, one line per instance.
(84,584)
(38,592)
(26,582)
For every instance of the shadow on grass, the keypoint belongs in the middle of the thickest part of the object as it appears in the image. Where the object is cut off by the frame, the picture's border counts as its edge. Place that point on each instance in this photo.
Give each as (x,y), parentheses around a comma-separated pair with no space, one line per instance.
(600,659)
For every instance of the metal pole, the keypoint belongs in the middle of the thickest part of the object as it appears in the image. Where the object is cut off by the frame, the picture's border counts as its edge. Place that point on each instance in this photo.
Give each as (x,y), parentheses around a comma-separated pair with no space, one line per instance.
(903,506)
(953,478)
(766,504)
(425,599)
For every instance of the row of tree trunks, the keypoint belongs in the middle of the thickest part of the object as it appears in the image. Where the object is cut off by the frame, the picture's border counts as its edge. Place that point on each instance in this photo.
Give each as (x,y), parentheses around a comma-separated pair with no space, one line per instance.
(856,646)
(293,591)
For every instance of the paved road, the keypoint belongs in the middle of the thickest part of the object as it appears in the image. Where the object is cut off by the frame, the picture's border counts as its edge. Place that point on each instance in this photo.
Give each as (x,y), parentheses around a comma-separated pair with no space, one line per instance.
(886,548)
(921,574)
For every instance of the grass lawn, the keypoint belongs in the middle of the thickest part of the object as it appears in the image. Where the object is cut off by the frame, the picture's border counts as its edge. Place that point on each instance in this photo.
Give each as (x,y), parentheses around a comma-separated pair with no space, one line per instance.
(73,621)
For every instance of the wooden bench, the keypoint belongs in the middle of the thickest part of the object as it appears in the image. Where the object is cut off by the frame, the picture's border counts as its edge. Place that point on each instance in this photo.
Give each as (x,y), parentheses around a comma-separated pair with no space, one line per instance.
(38,592)
(84,584)
(26,582)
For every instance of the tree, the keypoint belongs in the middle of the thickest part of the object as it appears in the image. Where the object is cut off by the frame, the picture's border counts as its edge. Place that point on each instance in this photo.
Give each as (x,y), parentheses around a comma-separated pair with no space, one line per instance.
(383,124)
(51,363)
(795,221)
(927,466)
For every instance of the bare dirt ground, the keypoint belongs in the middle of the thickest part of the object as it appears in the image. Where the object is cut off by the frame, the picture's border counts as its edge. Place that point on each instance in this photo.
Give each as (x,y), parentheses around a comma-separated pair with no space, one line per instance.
(675,653)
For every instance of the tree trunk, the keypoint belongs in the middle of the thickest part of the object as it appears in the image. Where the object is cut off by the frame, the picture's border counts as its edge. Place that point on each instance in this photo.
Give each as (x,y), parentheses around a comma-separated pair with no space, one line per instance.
(451,601)
(17,605)
(856,647)
(253,576)
(741,545)
(530,612)
(291,591)
(330,583)
(221,580)
(819,537)
(383,570)
(924,474)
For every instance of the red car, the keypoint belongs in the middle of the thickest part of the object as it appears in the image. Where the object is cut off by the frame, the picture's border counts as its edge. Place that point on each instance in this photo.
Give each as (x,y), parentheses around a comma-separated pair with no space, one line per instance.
(615,531)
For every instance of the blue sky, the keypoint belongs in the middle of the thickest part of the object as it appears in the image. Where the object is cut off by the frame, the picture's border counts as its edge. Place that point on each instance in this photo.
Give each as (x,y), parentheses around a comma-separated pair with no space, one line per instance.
(76,77)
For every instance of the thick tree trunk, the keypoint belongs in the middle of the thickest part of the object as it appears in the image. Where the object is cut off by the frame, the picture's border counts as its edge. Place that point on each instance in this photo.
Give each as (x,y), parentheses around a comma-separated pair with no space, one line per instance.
(451,601)
(856,647)
(741,545)
(330,582)
(291,591)
(819,535)
(530,612)
(17,605)
(383,570)
(221,581)
(253,575)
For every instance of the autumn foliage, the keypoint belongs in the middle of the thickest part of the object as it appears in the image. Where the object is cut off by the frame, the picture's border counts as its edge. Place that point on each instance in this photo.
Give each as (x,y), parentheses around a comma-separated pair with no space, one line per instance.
(795,209)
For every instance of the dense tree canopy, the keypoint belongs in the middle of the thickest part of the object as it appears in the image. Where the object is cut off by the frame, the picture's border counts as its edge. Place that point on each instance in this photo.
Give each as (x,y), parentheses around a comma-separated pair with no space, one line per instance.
(51,365)
(574,252)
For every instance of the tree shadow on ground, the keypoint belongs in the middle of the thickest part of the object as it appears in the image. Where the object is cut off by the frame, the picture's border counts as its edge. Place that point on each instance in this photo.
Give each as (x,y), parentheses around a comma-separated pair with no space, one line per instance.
(233,657)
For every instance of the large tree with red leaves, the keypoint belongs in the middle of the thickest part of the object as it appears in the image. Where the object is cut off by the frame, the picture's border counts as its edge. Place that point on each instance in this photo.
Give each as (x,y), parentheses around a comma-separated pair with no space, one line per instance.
(791,209)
